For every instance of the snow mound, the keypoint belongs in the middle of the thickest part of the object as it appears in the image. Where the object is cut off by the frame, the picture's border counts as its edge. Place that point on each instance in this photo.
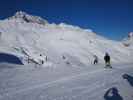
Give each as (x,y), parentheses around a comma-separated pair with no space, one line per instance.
(64,25)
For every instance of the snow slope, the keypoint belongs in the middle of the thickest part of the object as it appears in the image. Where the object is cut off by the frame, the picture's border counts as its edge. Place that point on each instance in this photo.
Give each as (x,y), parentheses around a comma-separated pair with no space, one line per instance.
(64,82)
(26,37)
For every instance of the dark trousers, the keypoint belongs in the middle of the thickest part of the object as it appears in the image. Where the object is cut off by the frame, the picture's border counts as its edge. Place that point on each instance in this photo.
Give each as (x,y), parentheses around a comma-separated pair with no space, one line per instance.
(95,61)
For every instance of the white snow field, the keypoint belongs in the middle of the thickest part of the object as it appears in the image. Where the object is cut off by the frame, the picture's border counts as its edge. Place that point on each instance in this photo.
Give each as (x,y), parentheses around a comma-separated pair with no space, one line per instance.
(64,82)
(58,62)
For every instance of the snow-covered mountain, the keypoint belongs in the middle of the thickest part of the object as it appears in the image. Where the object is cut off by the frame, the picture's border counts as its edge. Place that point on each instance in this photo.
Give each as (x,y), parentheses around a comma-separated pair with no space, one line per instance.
(31,37)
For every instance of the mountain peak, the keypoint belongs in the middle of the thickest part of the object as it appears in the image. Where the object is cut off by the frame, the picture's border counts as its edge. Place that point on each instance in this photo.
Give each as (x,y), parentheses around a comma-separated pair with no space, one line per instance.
(20,14)
(28,18)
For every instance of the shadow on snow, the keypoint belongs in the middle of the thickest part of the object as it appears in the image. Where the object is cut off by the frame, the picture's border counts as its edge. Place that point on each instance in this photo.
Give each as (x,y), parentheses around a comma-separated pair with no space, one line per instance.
(9,58)
(128,78)
(112,94)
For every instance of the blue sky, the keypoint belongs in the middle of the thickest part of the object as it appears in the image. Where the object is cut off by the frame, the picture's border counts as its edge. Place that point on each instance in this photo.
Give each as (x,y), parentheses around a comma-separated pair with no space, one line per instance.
(110,18)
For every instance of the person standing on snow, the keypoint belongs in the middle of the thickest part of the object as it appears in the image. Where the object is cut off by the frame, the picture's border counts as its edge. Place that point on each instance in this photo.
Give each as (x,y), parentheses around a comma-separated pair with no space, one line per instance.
(107,59)
(95,59)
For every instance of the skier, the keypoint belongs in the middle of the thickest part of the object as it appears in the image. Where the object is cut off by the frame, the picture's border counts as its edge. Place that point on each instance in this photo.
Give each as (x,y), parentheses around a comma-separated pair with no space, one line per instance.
(107,60)
(95,59)
(46,58)
(41,59)
(42,62)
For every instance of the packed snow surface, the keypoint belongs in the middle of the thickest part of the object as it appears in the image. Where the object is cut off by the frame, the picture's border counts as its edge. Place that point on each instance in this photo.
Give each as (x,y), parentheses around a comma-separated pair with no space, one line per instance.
(64,82)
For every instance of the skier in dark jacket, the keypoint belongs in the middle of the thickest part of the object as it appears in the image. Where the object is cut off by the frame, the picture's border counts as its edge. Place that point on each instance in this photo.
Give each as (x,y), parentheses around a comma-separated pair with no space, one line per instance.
(107,59)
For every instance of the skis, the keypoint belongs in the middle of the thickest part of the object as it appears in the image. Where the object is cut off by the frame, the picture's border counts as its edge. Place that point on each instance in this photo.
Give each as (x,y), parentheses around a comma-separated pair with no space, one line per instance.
(108,66)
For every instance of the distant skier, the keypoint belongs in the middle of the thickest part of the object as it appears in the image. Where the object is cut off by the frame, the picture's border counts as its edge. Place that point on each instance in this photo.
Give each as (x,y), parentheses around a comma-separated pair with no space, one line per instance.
(42,62)
(46,58)
(41,59)
(107,60)
(95,59)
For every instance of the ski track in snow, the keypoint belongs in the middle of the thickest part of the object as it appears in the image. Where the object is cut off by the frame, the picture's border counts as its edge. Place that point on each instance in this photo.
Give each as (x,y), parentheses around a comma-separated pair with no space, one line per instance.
(49,84)
(99,82)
